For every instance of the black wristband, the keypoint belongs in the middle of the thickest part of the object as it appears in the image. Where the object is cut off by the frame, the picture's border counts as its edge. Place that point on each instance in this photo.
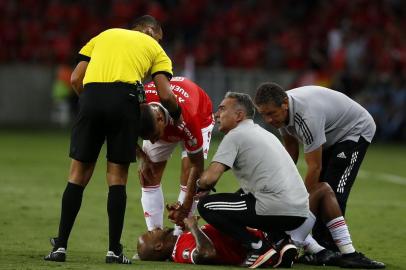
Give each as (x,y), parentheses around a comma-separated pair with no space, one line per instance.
(176,114)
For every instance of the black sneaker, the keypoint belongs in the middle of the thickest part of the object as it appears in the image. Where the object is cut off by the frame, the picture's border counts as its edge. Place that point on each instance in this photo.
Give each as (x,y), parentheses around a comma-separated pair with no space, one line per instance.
(358,260)
(111,257)
(287,254)
(323,258)
(56,255)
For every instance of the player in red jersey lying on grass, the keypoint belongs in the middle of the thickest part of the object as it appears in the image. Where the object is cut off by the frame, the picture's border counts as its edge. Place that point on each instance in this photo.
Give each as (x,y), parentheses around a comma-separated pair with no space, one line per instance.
(198,245)
(206,245)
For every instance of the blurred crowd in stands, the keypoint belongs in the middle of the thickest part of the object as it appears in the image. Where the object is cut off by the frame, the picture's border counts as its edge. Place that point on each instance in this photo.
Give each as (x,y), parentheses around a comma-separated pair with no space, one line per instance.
(357,47)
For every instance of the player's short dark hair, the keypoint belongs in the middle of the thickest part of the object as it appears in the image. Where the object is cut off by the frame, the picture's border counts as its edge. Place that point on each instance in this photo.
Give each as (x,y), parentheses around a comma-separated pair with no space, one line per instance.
(147,121)
(146,20)
(245,101)
(270,92)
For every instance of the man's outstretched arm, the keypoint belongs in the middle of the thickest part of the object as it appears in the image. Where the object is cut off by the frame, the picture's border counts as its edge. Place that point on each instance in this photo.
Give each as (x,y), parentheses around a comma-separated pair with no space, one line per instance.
(205,252)
(196,169)
(177,212)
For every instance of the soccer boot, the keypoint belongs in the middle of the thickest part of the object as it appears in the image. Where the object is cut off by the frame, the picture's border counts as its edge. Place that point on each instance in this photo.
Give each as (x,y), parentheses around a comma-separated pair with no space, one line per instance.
(267,259)
(322,258)
(257,257)
(56,255)
(112,257)
(359,260)
(287,253)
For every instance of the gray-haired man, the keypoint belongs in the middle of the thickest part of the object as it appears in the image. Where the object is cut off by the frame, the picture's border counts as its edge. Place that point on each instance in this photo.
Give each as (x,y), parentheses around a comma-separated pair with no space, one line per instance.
(272,198)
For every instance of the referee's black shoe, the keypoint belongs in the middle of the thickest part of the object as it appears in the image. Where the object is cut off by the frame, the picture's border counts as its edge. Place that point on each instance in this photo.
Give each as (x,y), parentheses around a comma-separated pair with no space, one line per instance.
(58,254)
(323,258)
(112,257)
(359,260)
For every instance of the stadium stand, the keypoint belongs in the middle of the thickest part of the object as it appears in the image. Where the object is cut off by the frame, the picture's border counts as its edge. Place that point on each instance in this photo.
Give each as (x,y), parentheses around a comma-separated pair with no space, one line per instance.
(357,47)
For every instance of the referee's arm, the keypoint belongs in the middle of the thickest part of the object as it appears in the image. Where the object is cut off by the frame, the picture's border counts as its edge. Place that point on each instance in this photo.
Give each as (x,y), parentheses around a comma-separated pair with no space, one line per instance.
(77,76)
(168,99)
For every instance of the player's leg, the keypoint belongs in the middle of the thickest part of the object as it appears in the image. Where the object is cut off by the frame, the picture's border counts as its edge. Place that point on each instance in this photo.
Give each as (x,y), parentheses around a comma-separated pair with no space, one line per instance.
(339,231)
(323,203)
(152,198)
(330,213)
(340,167)
(150,173)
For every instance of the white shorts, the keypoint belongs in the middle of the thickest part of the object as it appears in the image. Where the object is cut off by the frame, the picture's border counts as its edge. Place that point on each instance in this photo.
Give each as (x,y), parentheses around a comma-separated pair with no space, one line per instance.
(161,150)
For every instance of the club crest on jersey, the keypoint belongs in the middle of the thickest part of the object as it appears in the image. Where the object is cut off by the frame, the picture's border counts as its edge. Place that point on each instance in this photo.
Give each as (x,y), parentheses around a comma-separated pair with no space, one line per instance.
(186,254)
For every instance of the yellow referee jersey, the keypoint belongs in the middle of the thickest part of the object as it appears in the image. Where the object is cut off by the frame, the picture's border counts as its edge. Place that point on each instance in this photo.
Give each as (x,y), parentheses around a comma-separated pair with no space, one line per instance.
(121,55)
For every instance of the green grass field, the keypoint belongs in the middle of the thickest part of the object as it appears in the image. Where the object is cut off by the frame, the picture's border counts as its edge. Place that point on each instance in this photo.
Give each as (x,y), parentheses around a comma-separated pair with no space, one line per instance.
(33,172)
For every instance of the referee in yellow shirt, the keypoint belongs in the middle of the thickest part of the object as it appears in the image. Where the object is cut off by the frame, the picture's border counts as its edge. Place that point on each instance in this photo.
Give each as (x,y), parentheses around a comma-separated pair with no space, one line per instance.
(107,80)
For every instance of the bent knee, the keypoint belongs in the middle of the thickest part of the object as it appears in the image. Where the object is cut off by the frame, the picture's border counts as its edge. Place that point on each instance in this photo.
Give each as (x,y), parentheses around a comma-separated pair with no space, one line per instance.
(325,187)
(147,178)
(200,206)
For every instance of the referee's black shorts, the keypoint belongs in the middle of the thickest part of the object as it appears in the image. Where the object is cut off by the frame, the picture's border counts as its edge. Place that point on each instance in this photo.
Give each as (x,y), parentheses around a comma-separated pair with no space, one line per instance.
(107,111)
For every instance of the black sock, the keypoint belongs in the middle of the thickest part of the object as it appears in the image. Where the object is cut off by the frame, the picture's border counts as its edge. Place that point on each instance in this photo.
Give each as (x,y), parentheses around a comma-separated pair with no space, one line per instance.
(116,204)
(71,201)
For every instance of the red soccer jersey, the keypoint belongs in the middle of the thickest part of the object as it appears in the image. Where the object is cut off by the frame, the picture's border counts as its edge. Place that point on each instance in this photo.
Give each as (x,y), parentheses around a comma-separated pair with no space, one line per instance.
(197,112)
(229,251)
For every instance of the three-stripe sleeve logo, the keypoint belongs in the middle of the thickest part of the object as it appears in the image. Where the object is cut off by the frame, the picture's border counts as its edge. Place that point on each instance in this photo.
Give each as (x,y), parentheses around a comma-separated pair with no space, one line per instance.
(307,135)
(229,206)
